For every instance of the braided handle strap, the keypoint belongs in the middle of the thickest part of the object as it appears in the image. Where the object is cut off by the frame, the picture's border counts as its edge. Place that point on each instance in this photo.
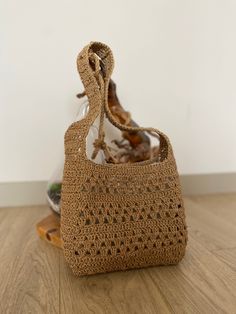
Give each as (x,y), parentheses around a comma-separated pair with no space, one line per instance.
(95,65)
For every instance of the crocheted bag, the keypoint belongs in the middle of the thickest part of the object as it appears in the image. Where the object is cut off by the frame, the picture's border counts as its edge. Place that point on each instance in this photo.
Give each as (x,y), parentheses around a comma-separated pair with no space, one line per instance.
(117,216)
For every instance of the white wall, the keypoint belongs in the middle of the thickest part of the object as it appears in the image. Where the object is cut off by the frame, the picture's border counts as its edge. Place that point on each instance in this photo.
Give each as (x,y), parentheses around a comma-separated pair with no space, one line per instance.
(175,70)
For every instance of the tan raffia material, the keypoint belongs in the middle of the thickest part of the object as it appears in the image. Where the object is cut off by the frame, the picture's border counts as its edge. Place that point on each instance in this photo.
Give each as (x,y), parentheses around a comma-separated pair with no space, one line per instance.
(117,216)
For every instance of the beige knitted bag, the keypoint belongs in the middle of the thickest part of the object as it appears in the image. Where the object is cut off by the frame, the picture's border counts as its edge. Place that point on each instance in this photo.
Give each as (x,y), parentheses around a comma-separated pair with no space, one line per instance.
(117,216)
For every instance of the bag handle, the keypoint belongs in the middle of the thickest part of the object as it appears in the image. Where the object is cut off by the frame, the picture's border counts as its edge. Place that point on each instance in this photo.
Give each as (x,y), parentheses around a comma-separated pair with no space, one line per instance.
(95,65)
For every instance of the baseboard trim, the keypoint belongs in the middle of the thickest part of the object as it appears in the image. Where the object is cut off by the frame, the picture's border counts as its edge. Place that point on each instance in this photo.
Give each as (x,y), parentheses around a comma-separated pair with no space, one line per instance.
(200,184)
(23,193)
(34,193)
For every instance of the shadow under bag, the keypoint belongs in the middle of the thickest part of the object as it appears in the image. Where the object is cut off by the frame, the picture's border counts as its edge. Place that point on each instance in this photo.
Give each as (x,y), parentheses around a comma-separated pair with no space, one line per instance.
(117,216)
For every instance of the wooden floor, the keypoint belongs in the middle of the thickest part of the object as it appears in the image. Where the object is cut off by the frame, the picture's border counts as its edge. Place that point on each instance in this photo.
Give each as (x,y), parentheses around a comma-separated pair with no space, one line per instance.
(35,279)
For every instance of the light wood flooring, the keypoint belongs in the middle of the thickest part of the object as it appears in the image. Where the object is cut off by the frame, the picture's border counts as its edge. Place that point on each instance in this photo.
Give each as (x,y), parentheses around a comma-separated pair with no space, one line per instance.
(35,279)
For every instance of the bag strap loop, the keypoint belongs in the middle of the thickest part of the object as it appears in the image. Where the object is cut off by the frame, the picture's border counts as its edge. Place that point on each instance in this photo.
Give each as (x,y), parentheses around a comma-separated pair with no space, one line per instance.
(95,65)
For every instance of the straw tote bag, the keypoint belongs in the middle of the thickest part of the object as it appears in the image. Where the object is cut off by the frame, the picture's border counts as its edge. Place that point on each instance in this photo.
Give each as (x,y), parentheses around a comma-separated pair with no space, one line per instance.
(117,216)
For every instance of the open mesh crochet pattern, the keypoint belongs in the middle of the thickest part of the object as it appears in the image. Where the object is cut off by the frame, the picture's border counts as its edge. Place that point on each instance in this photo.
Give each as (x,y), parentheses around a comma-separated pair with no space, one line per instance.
(117,216)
